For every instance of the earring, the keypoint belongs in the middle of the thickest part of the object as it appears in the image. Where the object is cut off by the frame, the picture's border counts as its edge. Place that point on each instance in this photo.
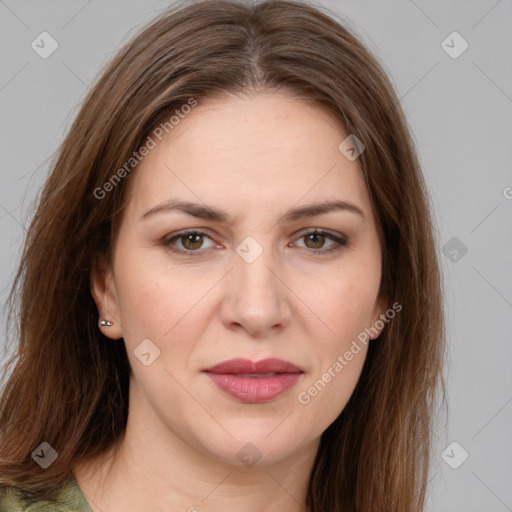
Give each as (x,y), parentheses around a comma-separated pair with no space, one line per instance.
(106,323)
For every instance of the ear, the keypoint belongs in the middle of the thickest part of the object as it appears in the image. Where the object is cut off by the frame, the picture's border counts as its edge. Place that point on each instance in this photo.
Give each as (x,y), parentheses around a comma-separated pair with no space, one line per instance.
(379,317)
(104,294)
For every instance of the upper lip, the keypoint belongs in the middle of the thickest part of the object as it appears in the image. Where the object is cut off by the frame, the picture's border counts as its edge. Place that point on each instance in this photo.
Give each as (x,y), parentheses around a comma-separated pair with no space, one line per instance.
(240,365)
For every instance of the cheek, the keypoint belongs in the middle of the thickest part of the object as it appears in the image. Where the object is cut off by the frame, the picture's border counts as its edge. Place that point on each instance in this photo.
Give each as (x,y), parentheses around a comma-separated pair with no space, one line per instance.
(346,307)
(326,393)
(154,297)
(344,302)
(166,306)
(340,356)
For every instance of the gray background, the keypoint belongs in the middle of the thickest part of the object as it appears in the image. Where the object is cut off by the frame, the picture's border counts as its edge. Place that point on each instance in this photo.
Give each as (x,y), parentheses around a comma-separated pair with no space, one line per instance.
(460,112)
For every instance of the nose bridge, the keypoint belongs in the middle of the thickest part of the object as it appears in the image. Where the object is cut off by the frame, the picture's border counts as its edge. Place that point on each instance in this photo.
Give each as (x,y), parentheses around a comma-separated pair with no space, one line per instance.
(258,297)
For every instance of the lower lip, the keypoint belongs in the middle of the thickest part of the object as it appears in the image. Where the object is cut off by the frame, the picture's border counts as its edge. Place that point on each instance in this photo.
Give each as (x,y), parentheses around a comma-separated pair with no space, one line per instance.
(254,389)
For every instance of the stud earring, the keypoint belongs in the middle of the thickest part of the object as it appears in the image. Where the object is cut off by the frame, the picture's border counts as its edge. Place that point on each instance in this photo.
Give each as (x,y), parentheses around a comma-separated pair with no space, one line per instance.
(106,323)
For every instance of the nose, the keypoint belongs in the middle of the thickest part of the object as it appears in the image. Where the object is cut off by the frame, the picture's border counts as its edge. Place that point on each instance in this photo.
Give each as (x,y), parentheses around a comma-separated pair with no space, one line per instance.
(256,297)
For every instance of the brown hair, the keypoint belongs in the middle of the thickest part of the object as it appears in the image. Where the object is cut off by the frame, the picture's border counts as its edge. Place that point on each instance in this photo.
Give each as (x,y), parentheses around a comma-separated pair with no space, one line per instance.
(68,384)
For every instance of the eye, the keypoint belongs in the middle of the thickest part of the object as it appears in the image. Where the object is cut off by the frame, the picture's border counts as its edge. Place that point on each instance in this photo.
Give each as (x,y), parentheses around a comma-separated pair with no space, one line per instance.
(315,240)
(191,242)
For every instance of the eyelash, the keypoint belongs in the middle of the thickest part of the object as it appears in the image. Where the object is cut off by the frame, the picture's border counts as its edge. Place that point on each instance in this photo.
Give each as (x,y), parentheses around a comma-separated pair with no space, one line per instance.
(340,242)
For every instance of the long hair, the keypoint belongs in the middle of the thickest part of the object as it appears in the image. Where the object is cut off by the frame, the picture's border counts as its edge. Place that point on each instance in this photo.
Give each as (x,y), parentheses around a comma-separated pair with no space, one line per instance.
(67,384)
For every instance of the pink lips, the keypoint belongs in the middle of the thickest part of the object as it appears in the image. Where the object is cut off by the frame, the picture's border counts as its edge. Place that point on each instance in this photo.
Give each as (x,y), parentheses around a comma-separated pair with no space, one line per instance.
(249,381)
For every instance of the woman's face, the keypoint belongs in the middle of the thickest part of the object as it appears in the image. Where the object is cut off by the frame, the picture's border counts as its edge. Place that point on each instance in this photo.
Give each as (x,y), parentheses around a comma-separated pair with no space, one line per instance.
(252,285)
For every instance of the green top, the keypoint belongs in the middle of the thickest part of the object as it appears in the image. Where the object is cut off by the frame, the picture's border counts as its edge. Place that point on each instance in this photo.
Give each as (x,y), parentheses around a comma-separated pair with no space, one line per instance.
(69,499)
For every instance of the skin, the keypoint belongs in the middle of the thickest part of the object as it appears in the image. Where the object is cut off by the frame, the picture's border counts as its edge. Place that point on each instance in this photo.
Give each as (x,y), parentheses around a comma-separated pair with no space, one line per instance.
(255,157)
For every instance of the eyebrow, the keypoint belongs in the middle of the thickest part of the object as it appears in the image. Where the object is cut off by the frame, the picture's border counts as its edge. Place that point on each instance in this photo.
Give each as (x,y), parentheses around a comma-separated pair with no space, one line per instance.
(214,214)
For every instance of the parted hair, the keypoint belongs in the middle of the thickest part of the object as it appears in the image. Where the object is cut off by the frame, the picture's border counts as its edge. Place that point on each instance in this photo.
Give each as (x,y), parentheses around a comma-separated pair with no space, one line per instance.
(67,384)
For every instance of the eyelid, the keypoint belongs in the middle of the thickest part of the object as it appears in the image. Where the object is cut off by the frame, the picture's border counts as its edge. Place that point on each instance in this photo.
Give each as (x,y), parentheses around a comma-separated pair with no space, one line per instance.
(338,238)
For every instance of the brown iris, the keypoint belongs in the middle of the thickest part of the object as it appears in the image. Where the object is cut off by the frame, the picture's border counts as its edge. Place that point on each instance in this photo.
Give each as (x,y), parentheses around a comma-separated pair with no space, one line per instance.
(192,239)
(316,238)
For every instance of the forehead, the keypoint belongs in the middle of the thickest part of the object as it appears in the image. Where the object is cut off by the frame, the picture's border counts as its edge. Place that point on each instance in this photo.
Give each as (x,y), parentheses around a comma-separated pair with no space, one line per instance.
(249,152)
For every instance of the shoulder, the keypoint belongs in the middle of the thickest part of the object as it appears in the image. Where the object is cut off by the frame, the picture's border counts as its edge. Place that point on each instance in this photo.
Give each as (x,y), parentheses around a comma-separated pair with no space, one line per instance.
(16,499)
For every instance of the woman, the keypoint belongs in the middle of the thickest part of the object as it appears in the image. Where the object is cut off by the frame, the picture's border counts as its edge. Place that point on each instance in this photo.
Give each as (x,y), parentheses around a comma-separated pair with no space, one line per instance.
(229,295)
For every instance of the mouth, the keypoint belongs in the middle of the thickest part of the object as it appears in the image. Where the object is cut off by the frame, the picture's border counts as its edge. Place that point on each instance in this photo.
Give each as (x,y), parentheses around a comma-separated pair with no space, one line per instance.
(254,382)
